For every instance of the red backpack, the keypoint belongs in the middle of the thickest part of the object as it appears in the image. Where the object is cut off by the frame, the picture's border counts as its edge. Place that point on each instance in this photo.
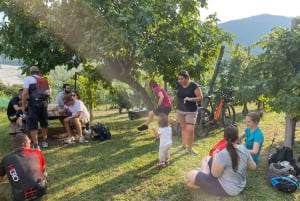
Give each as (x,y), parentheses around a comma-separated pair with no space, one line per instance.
(41,90)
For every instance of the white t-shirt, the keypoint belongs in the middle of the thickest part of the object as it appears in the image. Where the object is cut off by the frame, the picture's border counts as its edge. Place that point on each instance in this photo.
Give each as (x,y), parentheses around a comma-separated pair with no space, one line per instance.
(29,80)
(78,106)
(165,135)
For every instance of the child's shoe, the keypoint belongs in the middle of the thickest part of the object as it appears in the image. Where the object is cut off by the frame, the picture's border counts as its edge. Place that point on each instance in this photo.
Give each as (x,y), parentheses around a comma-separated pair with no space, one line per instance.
(161,164)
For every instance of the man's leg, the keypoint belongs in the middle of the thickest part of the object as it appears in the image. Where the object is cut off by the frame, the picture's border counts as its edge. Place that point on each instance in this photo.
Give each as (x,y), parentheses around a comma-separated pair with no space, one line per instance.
(5,191)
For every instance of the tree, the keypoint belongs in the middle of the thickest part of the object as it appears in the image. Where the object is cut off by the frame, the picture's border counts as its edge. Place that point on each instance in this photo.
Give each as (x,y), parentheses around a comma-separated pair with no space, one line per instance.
(128,38)
(280,68)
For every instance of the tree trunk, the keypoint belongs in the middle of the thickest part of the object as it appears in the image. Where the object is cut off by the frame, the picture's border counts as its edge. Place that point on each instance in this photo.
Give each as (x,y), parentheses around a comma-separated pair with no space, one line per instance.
(245,109)
(288,130)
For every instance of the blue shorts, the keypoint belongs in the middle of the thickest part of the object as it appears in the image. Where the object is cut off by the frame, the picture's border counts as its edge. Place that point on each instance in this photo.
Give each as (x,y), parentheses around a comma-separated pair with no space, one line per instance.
(209,184)
(37,112)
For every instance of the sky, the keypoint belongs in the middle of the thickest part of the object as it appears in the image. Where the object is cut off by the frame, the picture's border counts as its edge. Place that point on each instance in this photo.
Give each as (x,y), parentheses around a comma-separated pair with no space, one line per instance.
(236,9)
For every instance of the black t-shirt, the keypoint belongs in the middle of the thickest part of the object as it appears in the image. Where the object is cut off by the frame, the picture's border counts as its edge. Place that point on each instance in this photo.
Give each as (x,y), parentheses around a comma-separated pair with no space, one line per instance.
(189,91)
(24,169)
(10,107)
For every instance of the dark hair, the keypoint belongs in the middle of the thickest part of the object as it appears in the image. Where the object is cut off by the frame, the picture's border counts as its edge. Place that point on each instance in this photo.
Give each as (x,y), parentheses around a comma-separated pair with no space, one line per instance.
(67,97)
(184,74)
(77,94)
(20,140)
(163,120)
(231,134)
(66,85)
(255,116)
(152,84)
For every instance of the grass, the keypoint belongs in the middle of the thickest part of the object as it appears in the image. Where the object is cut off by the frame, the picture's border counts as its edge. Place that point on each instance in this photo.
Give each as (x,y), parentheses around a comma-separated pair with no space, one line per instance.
(123,168)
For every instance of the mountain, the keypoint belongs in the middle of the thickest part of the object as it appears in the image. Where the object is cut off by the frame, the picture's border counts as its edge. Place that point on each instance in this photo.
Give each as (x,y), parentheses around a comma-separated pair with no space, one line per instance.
(249,30)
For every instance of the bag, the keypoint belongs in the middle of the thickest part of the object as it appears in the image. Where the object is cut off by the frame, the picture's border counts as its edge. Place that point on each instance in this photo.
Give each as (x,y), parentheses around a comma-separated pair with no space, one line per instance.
(101,132)
(284,154)
(287,184)
(219,146)
(42,89)
(281,168)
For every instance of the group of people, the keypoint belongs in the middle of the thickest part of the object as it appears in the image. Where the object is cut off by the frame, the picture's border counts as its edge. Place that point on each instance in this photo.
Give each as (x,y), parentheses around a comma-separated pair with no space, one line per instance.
(77,115)
(25,107)
(223,173)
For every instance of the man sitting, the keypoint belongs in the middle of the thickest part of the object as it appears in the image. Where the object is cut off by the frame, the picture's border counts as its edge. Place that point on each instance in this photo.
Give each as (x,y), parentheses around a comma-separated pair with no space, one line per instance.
(78,119)
(22,172)
(14,111)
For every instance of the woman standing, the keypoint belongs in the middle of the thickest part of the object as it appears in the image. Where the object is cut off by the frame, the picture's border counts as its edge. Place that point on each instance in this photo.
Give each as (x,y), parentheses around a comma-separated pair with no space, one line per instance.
(188,94)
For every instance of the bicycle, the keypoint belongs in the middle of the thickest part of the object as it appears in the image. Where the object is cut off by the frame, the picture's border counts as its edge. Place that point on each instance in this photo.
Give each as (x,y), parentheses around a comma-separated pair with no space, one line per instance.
(222,113)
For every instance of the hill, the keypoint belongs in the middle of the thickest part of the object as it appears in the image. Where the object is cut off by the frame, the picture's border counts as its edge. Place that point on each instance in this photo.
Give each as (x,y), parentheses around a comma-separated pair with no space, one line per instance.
(249,30)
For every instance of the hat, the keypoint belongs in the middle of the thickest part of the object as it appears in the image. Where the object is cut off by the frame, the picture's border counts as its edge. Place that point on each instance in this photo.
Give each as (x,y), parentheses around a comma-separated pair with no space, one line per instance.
(34,69)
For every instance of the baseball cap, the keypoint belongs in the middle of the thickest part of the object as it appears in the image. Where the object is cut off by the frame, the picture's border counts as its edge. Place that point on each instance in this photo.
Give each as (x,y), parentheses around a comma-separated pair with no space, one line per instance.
(34,69)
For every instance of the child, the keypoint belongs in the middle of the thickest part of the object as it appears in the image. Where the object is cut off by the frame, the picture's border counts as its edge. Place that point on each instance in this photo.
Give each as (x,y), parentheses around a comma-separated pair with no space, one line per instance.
(164,133)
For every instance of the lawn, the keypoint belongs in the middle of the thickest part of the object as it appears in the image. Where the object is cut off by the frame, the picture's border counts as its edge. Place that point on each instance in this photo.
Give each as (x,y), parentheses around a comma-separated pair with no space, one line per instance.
(123,168)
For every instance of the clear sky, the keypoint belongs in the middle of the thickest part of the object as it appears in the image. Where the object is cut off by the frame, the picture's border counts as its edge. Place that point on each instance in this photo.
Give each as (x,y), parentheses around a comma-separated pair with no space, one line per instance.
(236,9)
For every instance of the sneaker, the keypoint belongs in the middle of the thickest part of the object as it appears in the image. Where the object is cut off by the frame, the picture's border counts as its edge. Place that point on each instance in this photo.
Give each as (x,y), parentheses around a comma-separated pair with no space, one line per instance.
(142,127)
(69,140)
(161,164)
(35,146)
(167,162)
(182,148)
(21,127)
(45,144)
(191,151)
(82,140)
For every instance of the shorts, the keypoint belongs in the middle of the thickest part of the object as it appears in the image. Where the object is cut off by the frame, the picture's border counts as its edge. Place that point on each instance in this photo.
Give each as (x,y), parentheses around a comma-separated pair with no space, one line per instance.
(186,117)
(165,110)
(37,112)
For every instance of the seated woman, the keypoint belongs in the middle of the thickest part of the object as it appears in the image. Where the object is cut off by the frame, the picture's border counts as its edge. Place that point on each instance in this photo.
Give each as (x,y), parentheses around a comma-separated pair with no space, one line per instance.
(79,117)
(254,137)
(225,172)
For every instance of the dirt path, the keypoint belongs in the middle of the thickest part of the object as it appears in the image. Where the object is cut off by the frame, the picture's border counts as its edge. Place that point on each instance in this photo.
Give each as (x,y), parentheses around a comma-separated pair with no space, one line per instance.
(10,75)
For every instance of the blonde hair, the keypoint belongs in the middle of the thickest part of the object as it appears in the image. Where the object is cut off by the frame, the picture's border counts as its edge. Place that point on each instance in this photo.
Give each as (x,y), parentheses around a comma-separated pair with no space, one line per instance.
(163,120)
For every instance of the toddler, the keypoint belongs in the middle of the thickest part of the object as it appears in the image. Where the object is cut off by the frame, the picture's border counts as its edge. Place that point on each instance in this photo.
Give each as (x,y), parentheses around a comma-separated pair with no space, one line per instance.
(164,133)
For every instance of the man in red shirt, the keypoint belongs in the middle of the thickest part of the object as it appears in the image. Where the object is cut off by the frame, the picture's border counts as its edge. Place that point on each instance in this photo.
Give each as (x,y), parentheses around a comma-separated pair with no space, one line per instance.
(24,169)
(164,104)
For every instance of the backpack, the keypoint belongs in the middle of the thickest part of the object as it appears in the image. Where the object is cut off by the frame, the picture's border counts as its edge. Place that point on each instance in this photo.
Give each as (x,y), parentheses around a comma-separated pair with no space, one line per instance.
(286,184)
(281,168)
(284,154)
(281,154)
(41,91)
(101,132)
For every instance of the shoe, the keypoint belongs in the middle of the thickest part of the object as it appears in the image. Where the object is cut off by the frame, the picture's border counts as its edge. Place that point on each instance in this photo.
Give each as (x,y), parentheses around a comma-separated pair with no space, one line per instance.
(86,131)
(45,144)
(35,146)
(167,162)
(182,148)
(21,127)
(161,164)
(69,140)
(82,140)
(142,127)
(191,151)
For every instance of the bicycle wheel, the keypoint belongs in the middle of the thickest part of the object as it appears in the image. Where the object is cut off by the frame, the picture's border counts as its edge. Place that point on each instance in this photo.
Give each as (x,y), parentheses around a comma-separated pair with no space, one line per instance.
(202,126)
(227,115)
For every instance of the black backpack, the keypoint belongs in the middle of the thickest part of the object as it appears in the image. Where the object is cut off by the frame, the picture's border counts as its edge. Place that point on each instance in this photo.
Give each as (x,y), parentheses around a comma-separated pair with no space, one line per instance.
(284,154)
(101,132)
(286,184)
